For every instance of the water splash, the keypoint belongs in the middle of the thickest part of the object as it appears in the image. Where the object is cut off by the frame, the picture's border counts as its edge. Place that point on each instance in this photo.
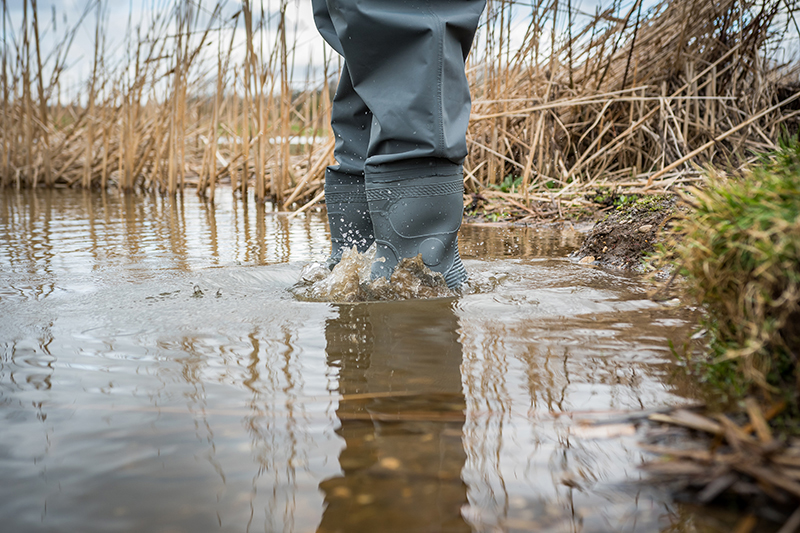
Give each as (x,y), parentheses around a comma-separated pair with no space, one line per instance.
(349,281)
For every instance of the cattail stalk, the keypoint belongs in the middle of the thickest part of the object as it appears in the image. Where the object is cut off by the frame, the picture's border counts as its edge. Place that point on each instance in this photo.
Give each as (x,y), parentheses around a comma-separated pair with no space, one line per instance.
(6,146)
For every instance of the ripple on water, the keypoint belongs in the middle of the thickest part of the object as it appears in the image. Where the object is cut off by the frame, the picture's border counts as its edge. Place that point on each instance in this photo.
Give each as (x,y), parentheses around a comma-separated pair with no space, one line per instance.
(129,401)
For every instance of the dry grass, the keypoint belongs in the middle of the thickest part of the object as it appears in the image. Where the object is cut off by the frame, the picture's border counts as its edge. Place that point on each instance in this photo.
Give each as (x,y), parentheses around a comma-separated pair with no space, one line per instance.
(167,119)
(626,97)
(630,99)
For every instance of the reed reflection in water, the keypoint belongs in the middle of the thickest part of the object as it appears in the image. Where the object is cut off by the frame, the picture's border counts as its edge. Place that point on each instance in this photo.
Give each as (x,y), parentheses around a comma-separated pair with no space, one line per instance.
(156,374)
(48,232)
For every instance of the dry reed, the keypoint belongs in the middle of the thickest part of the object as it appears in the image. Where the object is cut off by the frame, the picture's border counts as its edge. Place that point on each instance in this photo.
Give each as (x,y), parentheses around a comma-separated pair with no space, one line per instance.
(625,97)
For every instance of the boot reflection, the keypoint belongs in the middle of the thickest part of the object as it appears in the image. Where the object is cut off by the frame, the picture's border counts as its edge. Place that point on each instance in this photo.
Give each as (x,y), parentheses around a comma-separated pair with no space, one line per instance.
(402,415)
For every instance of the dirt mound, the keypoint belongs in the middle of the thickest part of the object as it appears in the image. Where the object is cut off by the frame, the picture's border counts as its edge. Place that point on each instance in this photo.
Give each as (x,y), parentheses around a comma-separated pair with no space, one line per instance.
(627,233)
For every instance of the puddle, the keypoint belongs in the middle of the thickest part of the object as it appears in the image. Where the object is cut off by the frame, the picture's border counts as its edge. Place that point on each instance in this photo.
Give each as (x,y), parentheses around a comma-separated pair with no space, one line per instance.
(158,374)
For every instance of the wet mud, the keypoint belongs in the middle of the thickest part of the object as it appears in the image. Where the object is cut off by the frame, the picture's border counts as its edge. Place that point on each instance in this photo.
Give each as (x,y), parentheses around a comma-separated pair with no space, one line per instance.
(626,234)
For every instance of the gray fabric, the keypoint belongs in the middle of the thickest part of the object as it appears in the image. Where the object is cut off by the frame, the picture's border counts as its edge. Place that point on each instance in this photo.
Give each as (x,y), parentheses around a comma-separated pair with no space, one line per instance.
(404,60)
(400,113)
(348,213)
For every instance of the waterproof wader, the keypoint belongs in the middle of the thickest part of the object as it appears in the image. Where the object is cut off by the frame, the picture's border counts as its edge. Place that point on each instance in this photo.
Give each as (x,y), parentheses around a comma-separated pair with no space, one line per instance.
(400,117)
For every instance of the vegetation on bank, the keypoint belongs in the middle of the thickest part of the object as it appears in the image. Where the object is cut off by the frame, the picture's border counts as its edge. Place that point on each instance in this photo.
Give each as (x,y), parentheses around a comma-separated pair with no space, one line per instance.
(739,253)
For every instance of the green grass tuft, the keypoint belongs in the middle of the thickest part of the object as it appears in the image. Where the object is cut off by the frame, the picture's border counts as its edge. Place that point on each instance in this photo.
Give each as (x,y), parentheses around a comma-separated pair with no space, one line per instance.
(740,255)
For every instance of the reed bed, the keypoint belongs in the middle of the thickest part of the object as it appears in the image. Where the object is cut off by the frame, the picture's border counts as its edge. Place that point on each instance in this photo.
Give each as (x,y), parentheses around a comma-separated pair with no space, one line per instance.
(564,101)
(632,98)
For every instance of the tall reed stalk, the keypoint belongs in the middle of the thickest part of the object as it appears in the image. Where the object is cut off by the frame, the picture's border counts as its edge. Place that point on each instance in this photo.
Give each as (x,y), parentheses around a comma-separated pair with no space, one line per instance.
(562,100)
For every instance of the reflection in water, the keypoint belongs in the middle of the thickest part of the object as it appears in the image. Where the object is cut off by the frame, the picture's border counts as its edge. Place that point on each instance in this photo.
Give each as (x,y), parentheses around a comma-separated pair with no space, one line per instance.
(538,356)
(45,233)
(285,431)
(488,241)
(30,362)
(401,411)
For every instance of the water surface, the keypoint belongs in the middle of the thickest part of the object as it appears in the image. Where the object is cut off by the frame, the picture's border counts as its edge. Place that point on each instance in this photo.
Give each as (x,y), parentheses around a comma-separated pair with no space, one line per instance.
(156,374)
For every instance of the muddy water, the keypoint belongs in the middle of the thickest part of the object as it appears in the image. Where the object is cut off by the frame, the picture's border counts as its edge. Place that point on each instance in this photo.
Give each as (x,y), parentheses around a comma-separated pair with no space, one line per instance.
(156,374)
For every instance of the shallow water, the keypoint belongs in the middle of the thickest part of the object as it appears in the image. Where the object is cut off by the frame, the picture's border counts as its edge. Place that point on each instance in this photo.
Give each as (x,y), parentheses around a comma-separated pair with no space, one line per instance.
(156,374)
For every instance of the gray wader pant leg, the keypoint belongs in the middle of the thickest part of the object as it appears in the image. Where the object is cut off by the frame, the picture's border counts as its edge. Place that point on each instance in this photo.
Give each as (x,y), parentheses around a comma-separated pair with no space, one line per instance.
(405,62)
(345,195)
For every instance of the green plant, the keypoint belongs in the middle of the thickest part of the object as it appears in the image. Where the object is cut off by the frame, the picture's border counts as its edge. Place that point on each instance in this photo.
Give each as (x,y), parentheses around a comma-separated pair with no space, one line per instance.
(509,184)
(497,216)
(740,255)
(652,203)
(610,198)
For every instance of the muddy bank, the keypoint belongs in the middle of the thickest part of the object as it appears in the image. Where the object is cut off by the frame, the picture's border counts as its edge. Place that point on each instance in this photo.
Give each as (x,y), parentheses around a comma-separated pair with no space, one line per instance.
(620,229)
(628,231)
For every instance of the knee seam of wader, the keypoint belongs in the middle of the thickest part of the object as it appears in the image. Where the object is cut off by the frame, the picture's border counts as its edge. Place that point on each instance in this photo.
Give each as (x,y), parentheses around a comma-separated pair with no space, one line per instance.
(345,194)
(415,191)
(408,170)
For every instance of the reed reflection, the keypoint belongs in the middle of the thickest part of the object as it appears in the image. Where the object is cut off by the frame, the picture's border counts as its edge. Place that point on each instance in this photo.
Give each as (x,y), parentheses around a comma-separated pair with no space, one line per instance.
(482,241)
(55,233)
(402,411)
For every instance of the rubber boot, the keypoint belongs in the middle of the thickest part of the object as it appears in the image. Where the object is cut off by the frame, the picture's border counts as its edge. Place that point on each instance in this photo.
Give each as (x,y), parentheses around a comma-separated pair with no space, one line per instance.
(348,218)
(412,216)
